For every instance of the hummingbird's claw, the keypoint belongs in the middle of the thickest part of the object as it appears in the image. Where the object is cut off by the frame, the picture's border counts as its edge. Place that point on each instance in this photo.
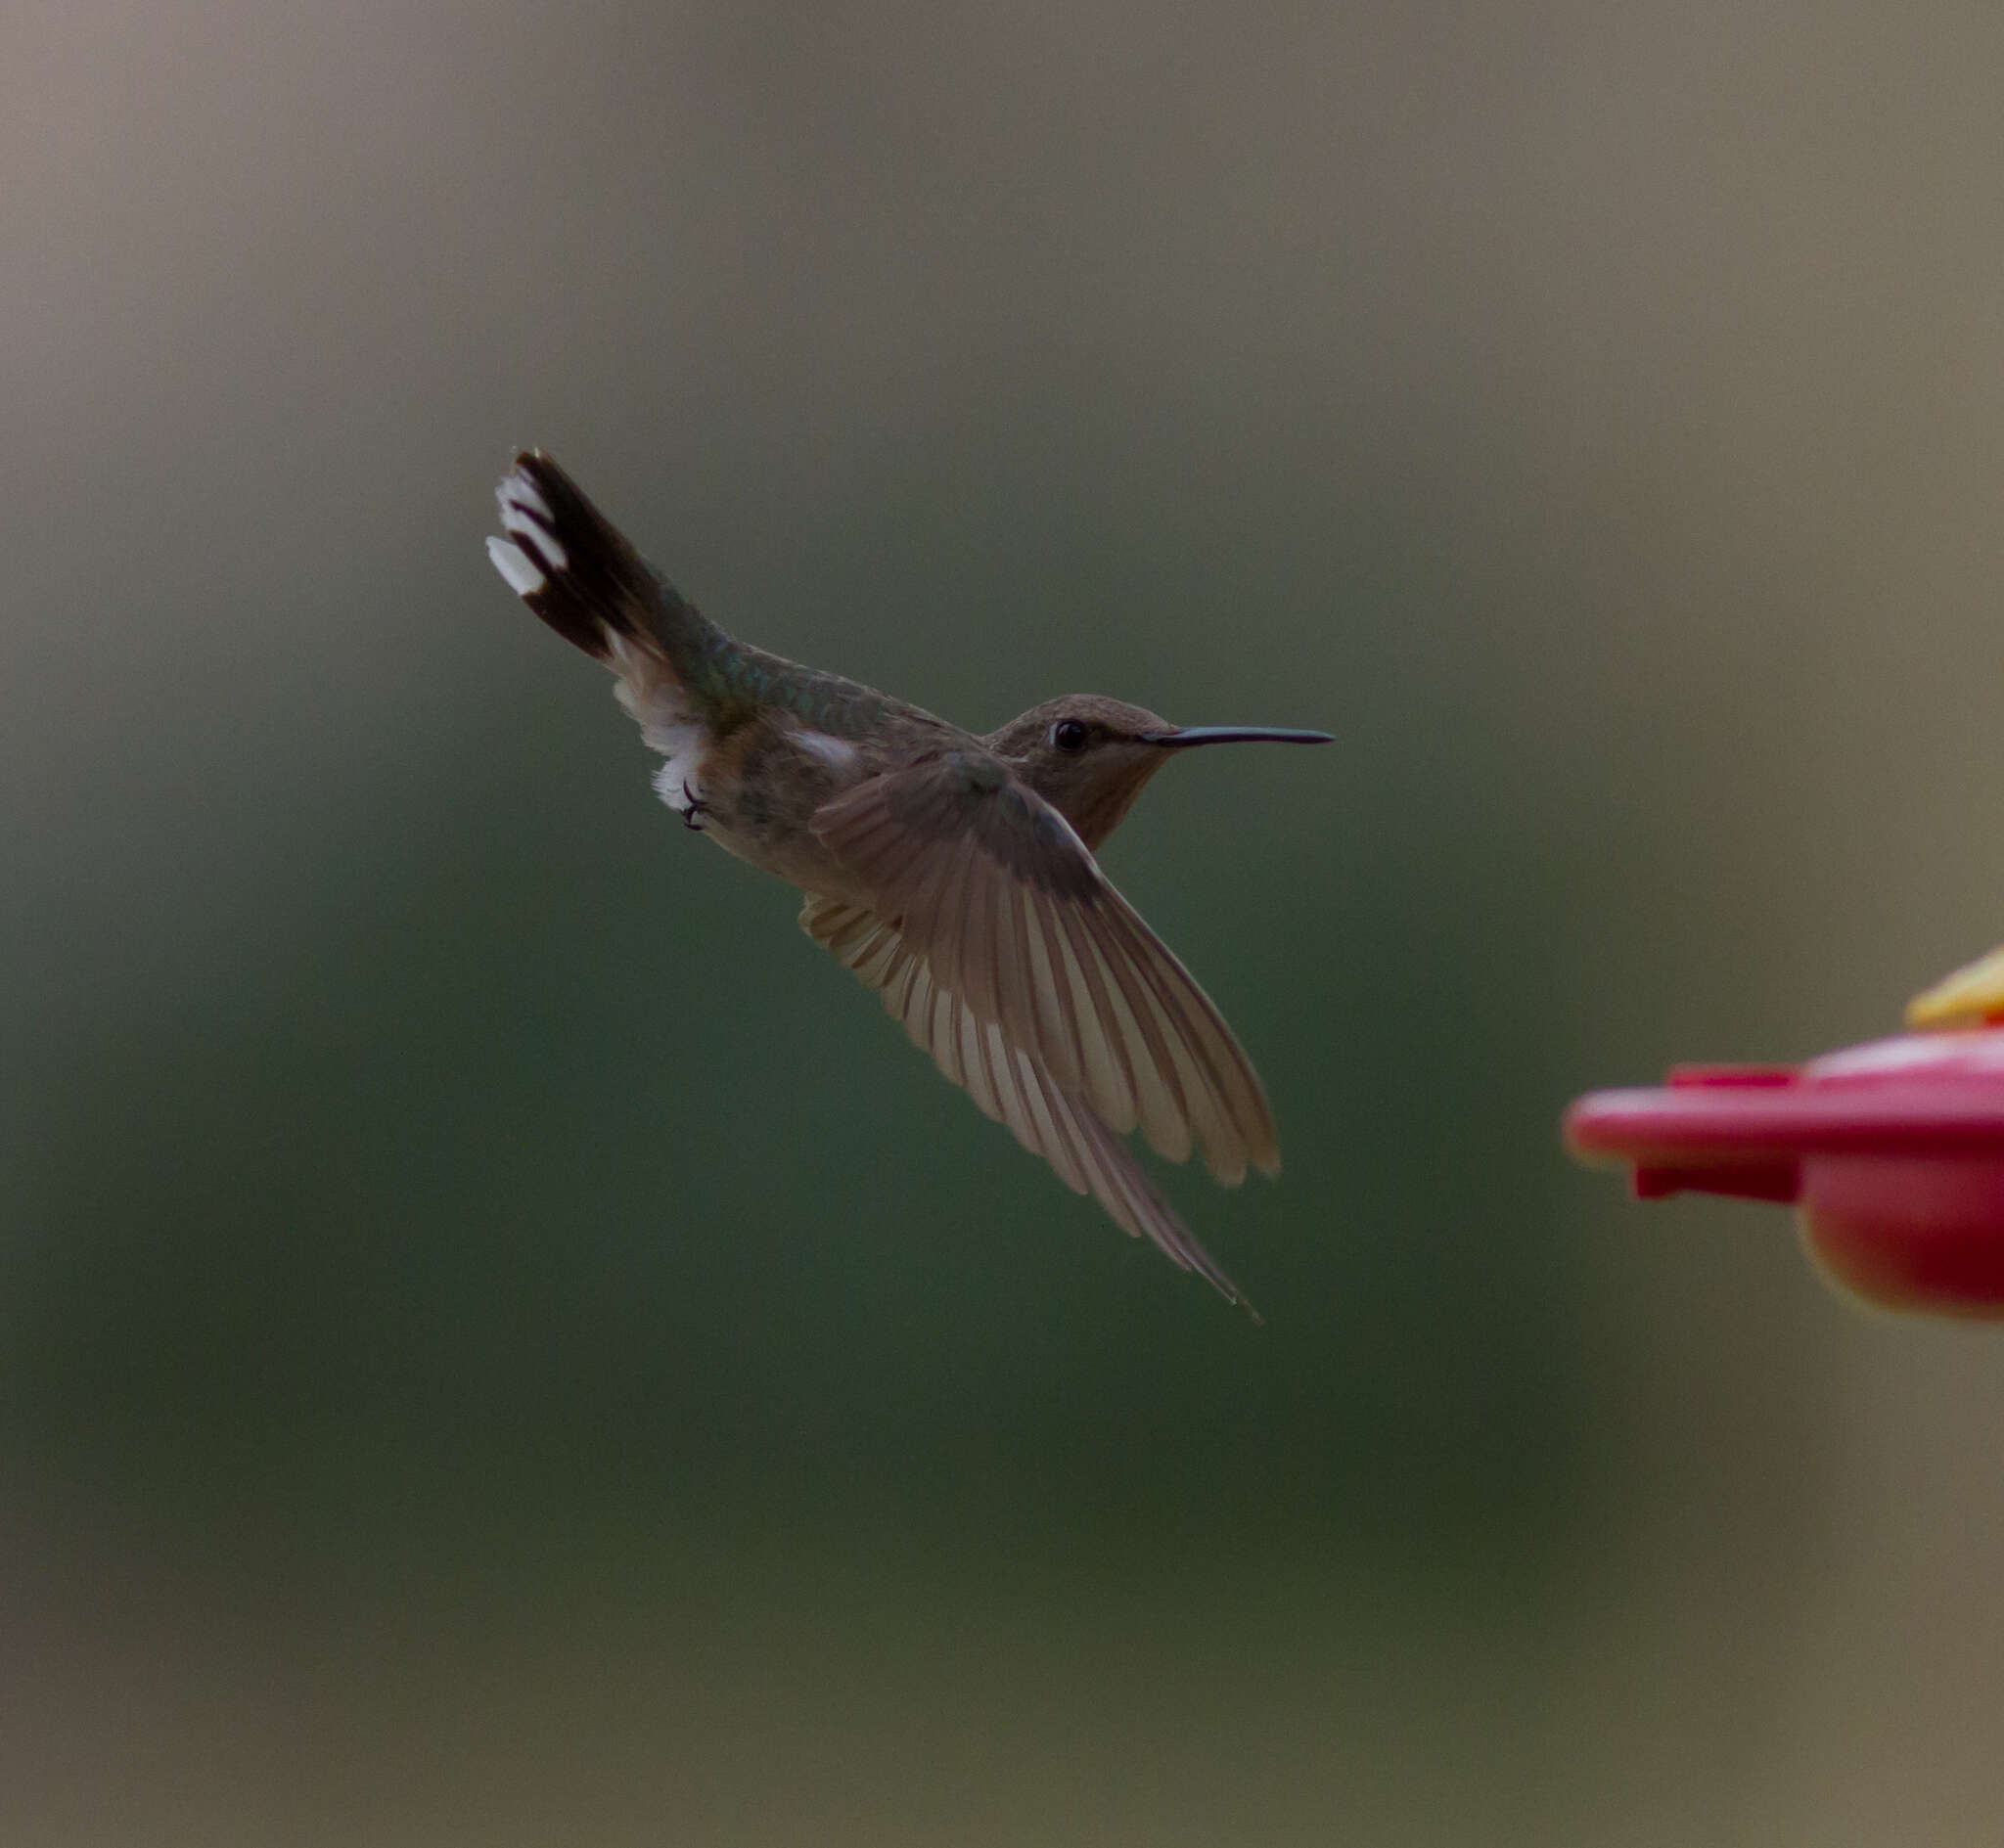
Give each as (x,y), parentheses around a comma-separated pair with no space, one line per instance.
(693,814)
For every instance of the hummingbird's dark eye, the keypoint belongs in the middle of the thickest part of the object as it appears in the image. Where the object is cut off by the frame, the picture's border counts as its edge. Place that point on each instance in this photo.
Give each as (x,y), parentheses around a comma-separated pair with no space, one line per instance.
(1069,735)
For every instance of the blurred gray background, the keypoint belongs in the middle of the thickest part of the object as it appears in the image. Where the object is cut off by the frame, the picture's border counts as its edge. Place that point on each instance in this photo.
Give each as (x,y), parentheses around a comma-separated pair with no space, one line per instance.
(500,1340)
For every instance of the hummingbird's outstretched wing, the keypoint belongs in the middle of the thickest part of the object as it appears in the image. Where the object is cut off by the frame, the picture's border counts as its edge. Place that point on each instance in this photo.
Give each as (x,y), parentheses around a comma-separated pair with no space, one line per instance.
(1012,1085)
(1006,910)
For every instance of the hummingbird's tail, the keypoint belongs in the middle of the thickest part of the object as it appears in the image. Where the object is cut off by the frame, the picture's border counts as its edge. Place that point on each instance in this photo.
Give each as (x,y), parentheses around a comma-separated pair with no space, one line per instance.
(579,573)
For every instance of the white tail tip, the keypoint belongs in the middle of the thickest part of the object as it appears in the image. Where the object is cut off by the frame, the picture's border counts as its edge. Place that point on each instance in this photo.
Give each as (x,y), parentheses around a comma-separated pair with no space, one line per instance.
(515,565)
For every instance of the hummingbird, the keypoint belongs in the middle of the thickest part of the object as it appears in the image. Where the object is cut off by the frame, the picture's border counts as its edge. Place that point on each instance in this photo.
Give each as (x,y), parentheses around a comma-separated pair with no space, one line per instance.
(951,873)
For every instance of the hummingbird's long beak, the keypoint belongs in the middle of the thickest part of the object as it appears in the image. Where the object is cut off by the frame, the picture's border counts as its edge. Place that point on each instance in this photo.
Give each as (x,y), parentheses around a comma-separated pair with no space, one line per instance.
(1184,735)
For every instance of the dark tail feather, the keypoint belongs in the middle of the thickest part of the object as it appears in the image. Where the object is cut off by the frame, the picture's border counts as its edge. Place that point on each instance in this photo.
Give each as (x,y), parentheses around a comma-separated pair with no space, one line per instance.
(572,566)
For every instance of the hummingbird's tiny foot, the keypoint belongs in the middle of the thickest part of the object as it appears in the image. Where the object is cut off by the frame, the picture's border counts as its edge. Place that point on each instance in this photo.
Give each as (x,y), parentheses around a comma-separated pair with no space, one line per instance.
(693,811)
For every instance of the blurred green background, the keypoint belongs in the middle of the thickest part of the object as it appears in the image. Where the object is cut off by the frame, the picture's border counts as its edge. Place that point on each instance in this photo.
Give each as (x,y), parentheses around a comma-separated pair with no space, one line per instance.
(500,1341)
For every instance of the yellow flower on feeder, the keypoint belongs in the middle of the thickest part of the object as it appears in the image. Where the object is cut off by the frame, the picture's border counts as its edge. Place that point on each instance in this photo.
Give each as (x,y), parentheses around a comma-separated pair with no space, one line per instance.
(1972,996)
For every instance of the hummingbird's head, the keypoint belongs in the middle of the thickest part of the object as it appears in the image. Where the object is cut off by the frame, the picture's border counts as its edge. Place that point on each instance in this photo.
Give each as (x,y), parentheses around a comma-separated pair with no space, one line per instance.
(1089,756)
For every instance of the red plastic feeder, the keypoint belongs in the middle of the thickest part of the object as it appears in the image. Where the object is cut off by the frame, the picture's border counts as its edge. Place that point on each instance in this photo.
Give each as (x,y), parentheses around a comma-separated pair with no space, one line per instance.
(1894,1153)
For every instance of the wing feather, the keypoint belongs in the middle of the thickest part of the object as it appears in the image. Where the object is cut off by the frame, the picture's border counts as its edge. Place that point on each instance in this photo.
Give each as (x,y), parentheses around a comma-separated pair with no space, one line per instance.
(991,889)
(1011,1084)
